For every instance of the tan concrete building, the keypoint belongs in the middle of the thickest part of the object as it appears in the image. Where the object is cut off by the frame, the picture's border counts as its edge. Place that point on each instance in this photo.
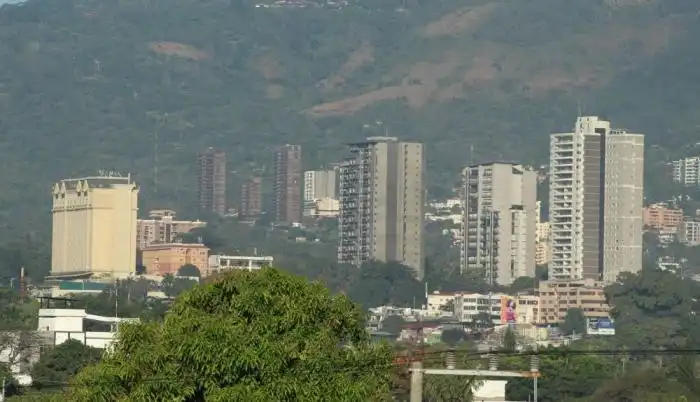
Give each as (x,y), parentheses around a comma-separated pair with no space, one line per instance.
(543,231)
(499,221)
(162,228)
(162,259)
(663,218)
(557,297)
(94,226)
(381,203)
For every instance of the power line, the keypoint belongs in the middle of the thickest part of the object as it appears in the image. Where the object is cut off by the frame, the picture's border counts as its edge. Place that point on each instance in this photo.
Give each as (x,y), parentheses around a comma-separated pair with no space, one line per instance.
(434,357)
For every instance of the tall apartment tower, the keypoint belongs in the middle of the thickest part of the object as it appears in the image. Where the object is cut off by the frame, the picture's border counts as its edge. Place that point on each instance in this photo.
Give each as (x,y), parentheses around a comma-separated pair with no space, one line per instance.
(499,222)
(94,227)
(595,201)
(212,181)
(623,210)
(381,203)
(287,185)
(250,206)
(319,184)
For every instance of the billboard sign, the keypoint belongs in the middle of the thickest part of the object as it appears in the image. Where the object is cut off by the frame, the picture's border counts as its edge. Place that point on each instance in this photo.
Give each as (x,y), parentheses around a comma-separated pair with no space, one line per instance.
(600,326)
(508,306)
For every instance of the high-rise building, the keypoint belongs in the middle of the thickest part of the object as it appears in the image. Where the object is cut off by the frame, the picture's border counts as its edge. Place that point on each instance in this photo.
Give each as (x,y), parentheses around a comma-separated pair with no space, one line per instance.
(250,206)
(162,228)
(318,184)
(94,227)
(686,171)
(381,203)
(212,181)
(499,221)
(595,201)
(623,209)
(287,186)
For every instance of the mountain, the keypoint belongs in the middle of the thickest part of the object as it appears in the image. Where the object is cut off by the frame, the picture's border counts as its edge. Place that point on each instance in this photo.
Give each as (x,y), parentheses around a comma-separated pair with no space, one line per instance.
(87,84)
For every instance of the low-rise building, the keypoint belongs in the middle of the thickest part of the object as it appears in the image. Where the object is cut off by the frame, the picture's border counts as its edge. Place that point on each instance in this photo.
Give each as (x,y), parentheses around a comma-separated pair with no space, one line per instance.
(689,233)
(162,228)
(663,218)
(555,298)
(220,263)
(501,308)
(58,322)
(163,259)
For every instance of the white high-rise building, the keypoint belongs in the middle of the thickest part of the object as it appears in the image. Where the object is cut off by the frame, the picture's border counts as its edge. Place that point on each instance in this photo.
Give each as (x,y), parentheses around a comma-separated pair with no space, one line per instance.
(687,171)
(499,222)
(595,201)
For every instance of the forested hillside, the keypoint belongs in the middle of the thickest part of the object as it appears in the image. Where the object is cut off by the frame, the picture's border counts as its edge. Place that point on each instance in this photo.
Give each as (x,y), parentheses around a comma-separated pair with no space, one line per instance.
(88,84)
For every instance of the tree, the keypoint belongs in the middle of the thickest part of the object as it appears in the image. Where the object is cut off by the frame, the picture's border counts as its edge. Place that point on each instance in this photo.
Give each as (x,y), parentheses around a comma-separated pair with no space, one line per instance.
(564,377)
(173,287)
(393,324)
(382,284)
(189,270)
(510,342)
(574,322)
(57,365)
(256,336)
(452,336)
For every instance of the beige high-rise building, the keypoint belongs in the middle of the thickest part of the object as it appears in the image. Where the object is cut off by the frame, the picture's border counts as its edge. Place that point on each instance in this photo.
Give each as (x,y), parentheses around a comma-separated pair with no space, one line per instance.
(542,233)
(94,227)
(595,201)
(499,221)
(623,209)
(381,203)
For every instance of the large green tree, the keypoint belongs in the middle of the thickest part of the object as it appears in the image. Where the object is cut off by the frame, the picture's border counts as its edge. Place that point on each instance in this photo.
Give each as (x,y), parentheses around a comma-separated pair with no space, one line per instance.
(253,336)
(57,365)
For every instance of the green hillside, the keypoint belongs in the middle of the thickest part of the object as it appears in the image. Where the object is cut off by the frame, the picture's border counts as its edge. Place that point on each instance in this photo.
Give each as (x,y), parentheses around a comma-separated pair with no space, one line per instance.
(88,84)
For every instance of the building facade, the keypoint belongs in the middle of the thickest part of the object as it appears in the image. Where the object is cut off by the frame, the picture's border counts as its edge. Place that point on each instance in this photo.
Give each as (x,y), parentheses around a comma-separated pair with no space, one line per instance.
(250,206)
(595,201)
(319,184)
(555,298)
(686,171)
(381,203)
(287,185)
(223,263)
(94,227)
(163,259)
(212,181)
(162,227)
(623,209)
(499,221)
(663,218)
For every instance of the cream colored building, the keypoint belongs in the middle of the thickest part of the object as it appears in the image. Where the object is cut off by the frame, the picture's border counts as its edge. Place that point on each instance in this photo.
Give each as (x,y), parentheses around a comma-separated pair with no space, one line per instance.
(557,297)
(162,227)
(163,259)
(94,226)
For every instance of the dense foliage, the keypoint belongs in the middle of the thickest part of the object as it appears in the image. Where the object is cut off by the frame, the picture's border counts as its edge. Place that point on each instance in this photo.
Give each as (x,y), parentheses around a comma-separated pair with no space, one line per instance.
(259,336)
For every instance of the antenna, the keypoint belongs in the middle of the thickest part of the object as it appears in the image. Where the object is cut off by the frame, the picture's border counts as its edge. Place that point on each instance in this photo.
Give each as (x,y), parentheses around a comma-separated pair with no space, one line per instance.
(578,108)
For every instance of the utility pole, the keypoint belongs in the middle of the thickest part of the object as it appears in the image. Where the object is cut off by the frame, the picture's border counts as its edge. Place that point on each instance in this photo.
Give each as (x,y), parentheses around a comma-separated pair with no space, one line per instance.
(417,381)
